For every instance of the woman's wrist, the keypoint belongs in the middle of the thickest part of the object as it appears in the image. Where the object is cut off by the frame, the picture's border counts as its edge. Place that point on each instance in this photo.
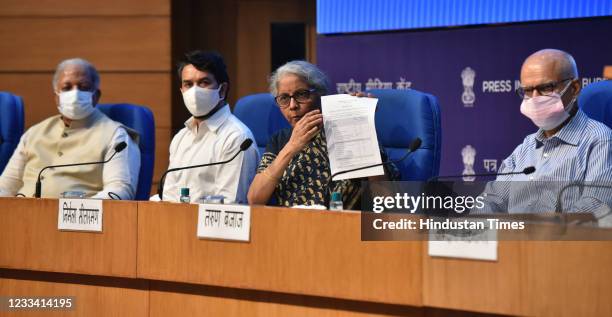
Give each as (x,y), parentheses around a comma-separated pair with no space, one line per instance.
(289,151)
(269,176)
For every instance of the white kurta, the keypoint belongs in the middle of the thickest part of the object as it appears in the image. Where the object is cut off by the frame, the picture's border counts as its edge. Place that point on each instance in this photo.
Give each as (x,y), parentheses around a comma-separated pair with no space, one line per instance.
(215,139)
(119,176)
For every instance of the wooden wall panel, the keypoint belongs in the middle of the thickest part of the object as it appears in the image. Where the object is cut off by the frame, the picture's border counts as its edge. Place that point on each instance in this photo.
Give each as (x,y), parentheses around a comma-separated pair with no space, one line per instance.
(254,43)
(110,43)
(84,7)
(115,299)
(483,286)
(163,137)
(36,91)
(30,239)
(568,278)
(192,22)
(149,89)
(332,261)
(129,42)
(192,300)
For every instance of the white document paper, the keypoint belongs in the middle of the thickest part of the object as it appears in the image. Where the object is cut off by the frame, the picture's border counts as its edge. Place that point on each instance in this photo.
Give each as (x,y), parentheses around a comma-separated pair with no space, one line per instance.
(80,215)
(351,135)
(224,222)
(482,246)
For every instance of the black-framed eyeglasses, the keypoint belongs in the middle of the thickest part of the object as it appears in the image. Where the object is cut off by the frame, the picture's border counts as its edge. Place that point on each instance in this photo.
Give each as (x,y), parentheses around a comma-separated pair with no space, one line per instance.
(545,89)
(300,96)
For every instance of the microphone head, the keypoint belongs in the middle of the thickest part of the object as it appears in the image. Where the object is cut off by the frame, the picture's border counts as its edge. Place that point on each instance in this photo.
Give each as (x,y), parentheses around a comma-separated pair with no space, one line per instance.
(120,147)
(246,144)
(416,143)
(528,170)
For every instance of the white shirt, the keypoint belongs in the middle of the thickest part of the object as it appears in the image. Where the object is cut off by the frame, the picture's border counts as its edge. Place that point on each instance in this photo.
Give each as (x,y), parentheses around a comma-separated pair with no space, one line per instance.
(215,139)
(119,176)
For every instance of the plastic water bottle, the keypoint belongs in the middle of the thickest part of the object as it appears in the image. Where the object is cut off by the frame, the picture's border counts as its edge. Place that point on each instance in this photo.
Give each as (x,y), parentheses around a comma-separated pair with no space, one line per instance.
(185,195)
(336,201)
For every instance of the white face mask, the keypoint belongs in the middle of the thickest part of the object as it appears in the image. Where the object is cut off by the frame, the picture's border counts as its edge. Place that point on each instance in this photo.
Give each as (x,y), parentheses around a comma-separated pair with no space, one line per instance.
(547,112)
(75,104)
(200,101)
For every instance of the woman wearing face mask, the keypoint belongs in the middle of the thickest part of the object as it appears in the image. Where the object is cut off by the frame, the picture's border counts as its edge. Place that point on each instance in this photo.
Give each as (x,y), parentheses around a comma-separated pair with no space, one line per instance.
(295,167)
(211,134)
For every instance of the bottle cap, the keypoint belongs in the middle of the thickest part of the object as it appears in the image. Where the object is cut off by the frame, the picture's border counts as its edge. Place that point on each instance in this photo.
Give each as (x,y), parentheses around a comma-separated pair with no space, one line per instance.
(185,191)
(336,196)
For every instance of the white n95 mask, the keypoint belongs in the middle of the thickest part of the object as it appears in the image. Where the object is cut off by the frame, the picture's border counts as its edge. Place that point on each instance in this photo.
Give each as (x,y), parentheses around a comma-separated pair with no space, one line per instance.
(200,101)
(76,104)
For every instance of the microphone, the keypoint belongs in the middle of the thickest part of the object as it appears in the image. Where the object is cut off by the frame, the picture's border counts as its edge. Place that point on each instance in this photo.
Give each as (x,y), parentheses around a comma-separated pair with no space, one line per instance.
(526,171)
(559,204)
(414,145)
(118,148)
(160,188)
(245,145)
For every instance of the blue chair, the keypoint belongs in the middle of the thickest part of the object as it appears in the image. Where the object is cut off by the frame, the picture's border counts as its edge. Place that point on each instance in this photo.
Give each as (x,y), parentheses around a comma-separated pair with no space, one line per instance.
(401,116)
(140,119)
(260,113)
(11,125)
(596,101)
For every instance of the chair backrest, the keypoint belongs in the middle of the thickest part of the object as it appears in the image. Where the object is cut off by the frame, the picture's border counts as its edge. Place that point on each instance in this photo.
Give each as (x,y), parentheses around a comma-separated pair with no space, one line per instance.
(260,113)
(140,119)
(11,125)
(596,101)
(403,115)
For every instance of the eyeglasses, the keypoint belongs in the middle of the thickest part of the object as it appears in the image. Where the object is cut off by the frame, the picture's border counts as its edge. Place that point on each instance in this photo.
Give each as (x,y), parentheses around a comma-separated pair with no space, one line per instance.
(300,96)
(543,90)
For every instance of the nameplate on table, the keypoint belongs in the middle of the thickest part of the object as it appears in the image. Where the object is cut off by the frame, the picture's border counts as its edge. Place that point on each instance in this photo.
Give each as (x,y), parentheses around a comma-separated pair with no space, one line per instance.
(80,215)
(224,222)
(479,246)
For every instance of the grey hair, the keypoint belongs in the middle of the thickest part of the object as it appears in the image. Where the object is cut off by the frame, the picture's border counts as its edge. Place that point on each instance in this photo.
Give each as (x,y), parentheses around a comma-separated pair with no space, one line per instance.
(311,74)
(91,70)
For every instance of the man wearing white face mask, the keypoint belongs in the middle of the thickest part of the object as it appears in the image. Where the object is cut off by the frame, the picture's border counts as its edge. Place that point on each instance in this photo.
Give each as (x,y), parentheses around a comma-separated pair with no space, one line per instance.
(568,147)
(80,133)
(212,134)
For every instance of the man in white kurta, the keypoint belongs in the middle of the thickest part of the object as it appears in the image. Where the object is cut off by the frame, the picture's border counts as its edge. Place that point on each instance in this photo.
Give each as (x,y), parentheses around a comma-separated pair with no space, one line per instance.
(80,133)
(215,139)
(212,134)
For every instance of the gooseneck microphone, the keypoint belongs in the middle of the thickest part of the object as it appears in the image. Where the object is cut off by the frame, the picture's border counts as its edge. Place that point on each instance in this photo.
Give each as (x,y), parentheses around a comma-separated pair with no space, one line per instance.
(414,145)
(581,185)
(118,148)
(160,188)
(526,171)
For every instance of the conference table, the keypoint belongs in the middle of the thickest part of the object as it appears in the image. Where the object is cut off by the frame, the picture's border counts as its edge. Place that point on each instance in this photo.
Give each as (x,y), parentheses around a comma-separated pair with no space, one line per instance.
(148,261)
